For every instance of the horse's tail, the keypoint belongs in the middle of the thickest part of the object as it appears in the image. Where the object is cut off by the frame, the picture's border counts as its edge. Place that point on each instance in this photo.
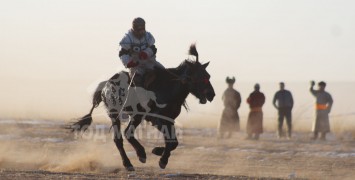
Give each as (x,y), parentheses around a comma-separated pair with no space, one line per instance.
(97,98)
(83,123)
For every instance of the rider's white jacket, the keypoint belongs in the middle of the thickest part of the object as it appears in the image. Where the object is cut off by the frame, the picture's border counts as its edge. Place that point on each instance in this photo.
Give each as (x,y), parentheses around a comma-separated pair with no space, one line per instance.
(132,46)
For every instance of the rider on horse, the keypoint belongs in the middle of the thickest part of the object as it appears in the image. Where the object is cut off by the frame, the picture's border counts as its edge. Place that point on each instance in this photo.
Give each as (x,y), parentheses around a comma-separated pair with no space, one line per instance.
(138,52)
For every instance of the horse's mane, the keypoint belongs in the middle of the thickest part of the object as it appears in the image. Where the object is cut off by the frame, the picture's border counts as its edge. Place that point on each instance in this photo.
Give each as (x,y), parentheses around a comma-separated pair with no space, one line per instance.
(183,65)
(170,74)
(177,74)
(186,62)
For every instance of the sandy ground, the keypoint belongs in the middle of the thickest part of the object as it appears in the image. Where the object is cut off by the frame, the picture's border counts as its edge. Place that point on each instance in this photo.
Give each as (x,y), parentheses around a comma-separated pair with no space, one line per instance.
(42,150)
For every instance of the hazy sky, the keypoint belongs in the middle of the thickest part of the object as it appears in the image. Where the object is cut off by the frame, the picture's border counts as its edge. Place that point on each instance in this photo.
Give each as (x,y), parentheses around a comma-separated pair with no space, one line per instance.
(54,52)
(253,40)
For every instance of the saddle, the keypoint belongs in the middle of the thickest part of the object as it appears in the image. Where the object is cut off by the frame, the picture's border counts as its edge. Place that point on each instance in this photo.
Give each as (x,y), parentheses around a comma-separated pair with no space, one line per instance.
(148,78)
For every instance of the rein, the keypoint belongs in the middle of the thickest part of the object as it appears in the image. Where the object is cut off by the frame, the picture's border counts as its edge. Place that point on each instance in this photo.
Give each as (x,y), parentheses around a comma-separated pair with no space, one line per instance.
(178,78)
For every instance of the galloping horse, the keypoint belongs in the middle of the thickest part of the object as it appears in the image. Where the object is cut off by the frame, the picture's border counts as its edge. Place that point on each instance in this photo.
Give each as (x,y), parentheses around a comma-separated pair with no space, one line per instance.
(171,87)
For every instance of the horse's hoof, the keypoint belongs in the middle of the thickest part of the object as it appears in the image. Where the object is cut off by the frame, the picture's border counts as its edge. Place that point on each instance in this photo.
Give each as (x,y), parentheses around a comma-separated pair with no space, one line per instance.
(143,160)
(162,165)
(130,168)
(142,156)
(158,151)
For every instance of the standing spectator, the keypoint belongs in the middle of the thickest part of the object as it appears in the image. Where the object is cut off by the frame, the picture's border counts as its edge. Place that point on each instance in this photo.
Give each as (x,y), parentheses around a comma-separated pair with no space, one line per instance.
(230,119)
(283,102)
(255,119)
(324,102)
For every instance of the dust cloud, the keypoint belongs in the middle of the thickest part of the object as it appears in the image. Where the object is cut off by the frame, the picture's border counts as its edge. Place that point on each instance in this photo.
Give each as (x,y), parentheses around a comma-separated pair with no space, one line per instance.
(47,146)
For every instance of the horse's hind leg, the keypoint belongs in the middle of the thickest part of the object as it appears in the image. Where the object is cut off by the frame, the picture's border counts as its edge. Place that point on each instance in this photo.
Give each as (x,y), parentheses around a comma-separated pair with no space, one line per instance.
(158,151)
(129,134)
(171,142)
(118,139)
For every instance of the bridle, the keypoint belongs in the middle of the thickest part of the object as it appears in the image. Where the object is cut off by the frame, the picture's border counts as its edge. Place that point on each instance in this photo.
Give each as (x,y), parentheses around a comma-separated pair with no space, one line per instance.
(184,76)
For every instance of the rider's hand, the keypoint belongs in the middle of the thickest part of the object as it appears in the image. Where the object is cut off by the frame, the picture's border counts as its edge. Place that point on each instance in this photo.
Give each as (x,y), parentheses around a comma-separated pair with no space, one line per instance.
(131,64)
(143,55)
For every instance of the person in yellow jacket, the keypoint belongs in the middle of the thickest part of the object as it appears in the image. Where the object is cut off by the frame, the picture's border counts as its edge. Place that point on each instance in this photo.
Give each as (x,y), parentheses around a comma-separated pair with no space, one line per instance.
(324,103)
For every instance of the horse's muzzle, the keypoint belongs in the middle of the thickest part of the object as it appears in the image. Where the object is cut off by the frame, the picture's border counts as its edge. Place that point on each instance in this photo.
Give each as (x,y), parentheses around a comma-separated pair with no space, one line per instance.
(209,94)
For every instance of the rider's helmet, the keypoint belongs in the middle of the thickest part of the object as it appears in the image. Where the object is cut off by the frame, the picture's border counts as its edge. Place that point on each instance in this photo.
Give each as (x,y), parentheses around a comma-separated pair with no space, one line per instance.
(138,27)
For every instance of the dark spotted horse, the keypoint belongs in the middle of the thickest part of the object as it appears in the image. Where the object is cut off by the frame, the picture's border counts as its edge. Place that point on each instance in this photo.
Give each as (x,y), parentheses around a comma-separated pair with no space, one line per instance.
(171,87)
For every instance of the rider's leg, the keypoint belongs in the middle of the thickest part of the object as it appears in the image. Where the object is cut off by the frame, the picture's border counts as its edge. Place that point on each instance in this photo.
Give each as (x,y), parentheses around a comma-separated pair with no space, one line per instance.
(140,91)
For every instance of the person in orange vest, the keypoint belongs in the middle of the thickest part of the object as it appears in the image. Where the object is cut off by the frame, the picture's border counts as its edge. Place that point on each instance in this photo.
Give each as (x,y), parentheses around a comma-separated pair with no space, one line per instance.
(324,103)
(255,119)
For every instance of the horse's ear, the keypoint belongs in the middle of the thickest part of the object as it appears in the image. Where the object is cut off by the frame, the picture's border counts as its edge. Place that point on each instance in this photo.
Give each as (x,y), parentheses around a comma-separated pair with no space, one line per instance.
(205,65)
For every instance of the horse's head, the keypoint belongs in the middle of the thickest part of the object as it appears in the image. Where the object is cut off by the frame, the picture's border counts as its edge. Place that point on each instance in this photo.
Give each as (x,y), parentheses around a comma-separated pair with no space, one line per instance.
(197,78)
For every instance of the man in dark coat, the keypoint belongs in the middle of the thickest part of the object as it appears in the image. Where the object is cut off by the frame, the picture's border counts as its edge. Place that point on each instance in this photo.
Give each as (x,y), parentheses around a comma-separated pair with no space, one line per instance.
(283,102)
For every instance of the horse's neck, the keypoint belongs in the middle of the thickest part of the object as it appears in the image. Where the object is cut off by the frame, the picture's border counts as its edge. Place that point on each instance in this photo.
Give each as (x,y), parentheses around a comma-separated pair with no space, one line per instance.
(180,93)
(170,86)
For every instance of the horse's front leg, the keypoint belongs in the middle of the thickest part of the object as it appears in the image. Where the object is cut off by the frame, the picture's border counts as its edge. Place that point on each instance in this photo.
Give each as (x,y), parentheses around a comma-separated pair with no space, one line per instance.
(171,142)
(129,134)
(118,139)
